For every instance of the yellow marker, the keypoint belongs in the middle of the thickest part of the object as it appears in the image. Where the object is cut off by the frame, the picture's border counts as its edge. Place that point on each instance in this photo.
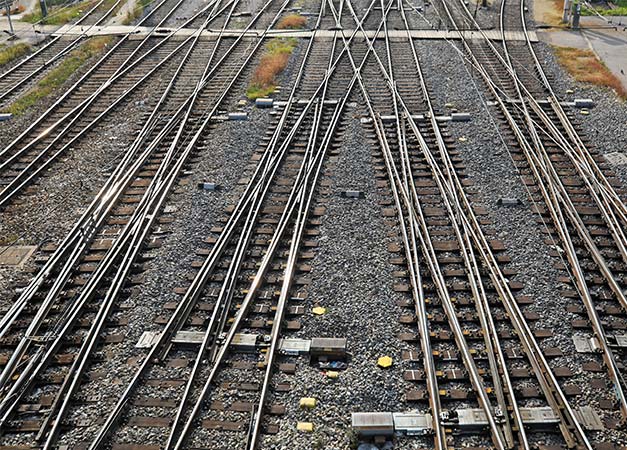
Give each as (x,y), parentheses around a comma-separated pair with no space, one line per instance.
(332,374)
(307,402)
(585,112)
(319,310)
(462,139)
(384,362)
(307,427)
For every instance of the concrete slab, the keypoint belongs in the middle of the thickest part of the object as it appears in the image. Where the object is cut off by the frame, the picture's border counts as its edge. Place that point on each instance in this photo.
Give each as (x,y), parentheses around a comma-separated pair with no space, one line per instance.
(15,255)
(140,32)
(25,32)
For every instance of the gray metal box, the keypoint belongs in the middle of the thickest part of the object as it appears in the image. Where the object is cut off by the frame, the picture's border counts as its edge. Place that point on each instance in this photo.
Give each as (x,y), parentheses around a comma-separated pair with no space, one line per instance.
(460,117)
(413,424)
(584,103)
(472,418)
(373,423)
(245,342)
(294,346)
(328,347)
(264,102)
(238,116)
(539,416)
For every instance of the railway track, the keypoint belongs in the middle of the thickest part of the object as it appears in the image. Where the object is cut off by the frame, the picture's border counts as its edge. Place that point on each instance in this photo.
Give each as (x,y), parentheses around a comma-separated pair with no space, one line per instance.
(111,81)
(469,254)
(581,202)
(26,72)
(213,372)
(109,232)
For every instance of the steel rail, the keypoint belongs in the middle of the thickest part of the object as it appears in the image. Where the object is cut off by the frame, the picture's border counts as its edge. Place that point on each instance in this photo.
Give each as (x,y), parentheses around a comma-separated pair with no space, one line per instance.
(304,199)
(543,373)
(174,318)
(416,214)
(59,55)
(78,82)
(25,375)
(609,202)
(191,295)
(223,302)
(84,226)
(436,273)
(581,151)
(571,212)
(497,360)
(569,420)
(412,254)
(494,88)
(227,290)
(606,211)
(120,71)
(109,194)
(146,221)
(246,302)
(17,183)
(233,80)
(54,40)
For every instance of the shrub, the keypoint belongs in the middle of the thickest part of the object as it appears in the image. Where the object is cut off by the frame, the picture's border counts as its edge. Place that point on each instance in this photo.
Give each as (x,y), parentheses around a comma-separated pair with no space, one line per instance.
(272,63)
(292,22)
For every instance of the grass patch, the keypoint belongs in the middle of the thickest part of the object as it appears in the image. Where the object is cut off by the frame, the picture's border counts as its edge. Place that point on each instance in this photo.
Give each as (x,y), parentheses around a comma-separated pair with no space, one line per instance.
(58,15)
(584,66)
(8,54)
(59,75)
(292,22)
(272,63)
(620,10)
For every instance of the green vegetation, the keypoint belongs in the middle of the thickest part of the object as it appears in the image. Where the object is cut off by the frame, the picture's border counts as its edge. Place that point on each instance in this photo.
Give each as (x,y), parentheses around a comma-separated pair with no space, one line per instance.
(585,67)
(58,16)
(9,53)
(59,75)
(620,10)
(59,13)
(272,63)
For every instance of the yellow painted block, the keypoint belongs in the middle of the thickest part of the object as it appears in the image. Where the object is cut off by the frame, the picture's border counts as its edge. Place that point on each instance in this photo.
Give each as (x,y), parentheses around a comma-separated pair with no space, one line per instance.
(319,310)
(308,402)
(385,362)
(462,139)
(332,374)
(307,427)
